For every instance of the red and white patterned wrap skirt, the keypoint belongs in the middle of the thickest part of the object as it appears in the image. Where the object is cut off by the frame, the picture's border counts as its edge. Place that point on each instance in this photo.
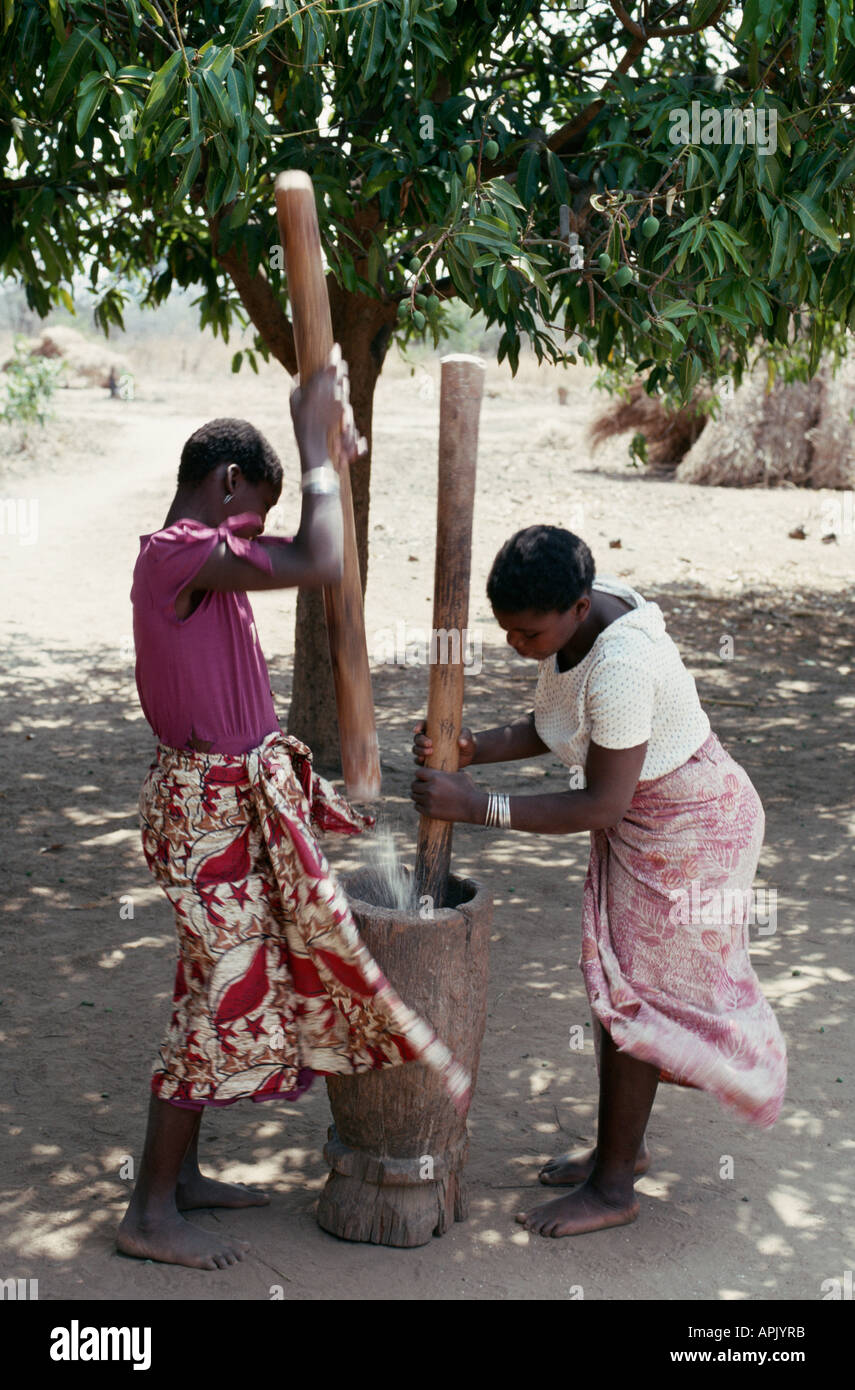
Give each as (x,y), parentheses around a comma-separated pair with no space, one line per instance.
(273,983)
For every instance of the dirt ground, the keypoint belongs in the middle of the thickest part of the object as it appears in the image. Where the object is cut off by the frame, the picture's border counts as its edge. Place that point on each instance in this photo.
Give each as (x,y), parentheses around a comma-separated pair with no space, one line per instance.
(86,986)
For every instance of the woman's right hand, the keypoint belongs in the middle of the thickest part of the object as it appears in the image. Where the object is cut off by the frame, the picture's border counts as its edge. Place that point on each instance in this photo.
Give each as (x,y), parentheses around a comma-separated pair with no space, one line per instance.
(319,407)
(423,747)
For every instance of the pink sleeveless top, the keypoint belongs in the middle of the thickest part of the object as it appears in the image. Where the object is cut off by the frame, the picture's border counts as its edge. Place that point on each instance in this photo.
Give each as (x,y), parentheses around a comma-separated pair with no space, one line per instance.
(203,675)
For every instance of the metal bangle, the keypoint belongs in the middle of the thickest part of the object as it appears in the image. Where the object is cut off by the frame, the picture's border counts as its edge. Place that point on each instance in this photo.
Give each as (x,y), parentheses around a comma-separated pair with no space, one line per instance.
(321,480)
(498,810)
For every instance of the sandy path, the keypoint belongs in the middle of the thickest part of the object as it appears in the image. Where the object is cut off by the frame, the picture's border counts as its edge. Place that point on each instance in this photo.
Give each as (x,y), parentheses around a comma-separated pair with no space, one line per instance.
(86,987)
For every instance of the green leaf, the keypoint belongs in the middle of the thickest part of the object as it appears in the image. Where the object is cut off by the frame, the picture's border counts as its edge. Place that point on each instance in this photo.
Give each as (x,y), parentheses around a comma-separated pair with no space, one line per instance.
(245,21)
(89,105)
(780,234)
(781,132)
(679,310)
(504,193)
(757,297)
(213,88)
(235,89)
(470,237)
(807,29)
(347,273)
(557,177)
(239,214)
(193,109)
(832,25)
(193,142)
(729,165)
(152,12)
(675,332)
(750,11)
(104,53)
(845,169)
(527,177)
(296,19)
(88,82)
(707,154)
(375,256)
(815,345)
(56,20)
(379,181)
(132,73)
(163,85)
(370,42)
(432,46)
(701,12)
(731,316)
(63,69)
(814,220)
(233,186)
(191,169)
(222,62)
(214,186)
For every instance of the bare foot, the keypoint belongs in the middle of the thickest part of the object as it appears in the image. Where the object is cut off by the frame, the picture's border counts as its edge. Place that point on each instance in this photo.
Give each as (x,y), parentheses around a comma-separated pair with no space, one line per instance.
(577,1167)
(173,1241)
(198,1191)
(586,1209)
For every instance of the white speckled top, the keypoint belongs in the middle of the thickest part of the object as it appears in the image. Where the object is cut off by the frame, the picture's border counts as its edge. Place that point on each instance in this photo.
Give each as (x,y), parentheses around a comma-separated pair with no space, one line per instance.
(631,688)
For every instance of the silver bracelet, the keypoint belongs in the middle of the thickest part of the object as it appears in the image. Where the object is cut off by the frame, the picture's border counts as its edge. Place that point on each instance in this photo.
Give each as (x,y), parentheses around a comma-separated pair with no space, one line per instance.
(321,480)
(498,810)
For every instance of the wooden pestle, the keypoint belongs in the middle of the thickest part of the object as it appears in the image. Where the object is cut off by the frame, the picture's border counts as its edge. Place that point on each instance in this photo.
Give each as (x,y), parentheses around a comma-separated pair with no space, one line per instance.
(461,389)
(343,606)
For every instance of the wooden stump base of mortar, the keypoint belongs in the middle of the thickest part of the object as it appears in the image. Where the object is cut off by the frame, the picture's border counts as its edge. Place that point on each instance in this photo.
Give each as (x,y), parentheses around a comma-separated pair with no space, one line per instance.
(397,1148)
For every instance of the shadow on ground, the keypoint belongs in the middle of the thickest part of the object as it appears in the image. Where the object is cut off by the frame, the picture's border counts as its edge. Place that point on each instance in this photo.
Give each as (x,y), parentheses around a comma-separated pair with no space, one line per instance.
(89,959)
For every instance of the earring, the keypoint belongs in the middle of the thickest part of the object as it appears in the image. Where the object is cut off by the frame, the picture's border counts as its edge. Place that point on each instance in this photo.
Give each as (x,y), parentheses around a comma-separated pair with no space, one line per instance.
(228,497)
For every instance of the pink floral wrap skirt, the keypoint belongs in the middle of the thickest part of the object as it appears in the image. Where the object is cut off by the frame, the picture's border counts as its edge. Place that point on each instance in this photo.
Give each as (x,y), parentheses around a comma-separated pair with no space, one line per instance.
(667,908)
(273,983)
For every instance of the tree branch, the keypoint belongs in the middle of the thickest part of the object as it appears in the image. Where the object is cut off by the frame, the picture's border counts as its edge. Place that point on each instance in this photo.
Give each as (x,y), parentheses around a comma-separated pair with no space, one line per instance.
(259,300)
(110,185)
(641,35)
(633,26)
(581,122)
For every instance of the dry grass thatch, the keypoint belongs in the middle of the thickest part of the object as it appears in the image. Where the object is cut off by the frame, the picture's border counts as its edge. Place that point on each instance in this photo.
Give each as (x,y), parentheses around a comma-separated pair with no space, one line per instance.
(669,433)
(832,438)
(88,363)
(799,434)
(796,435)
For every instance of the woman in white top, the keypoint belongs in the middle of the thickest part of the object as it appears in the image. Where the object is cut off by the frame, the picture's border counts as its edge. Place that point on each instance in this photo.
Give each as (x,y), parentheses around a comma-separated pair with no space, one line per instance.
(676,829)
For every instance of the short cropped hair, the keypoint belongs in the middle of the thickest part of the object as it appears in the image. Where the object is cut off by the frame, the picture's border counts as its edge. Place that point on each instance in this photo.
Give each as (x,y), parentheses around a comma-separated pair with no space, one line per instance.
(544,568)
(229,441)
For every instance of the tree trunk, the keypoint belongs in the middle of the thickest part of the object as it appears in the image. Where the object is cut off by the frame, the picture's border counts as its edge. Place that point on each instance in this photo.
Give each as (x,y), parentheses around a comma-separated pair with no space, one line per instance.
(363,327)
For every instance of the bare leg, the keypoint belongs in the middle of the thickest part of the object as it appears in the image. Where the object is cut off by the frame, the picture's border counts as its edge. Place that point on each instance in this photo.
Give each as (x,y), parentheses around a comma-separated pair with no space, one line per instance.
(152,1227)
(572,1168)
(194,1190)
(606,1198)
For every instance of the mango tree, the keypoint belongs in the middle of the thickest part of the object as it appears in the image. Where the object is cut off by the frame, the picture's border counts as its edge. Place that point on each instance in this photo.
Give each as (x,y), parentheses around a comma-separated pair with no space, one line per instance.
(659,187)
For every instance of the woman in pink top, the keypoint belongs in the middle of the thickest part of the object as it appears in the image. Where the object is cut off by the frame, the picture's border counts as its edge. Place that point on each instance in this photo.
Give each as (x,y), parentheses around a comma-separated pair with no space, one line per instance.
(273,984)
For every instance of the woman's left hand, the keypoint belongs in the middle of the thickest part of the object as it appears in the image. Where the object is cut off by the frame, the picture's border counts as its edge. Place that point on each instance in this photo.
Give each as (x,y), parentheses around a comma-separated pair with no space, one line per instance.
(445,795)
